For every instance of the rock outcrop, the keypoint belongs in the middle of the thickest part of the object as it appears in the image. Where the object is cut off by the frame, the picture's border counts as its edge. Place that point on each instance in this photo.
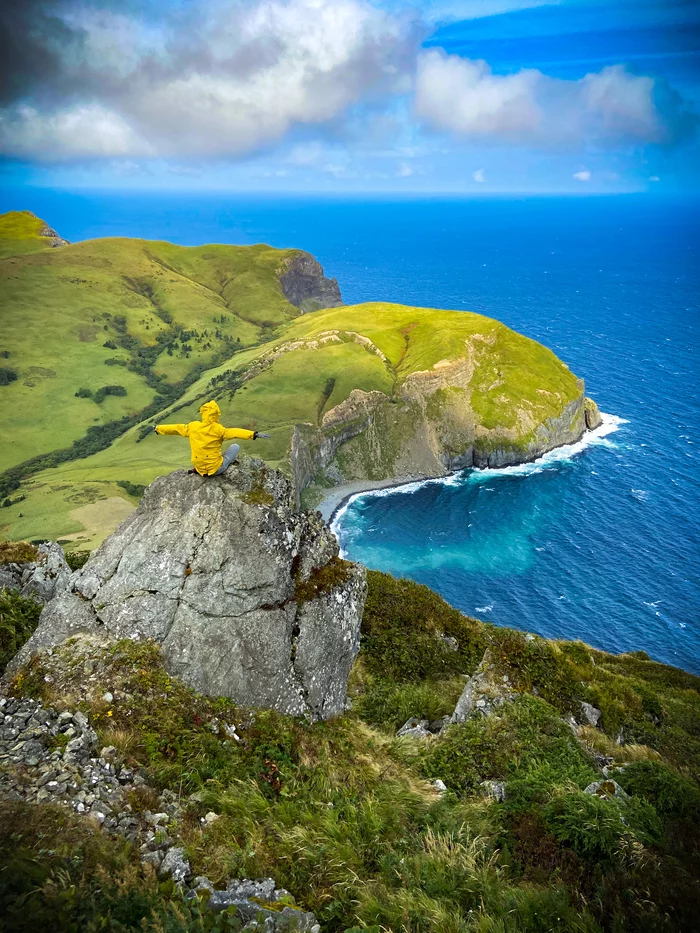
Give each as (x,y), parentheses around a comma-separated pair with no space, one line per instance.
(246,596)
(306,287)
(40,579)
(428,430)
(485,691)
(592,414)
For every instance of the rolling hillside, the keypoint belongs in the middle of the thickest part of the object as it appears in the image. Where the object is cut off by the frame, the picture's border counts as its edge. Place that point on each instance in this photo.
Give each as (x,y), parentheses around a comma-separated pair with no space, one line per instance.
(146,316)
(370,391)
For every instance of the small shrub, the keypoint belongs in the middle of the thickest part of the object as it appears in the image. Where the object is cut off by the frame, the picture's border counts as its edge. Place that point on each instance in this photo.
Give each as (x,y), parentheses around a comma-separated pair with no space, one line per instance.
(525,743)
(536,663)
(133,489)
(673,796)
(323,579)
(7,375)
(17,552)
(83,393)
(77,559)
(18,619)
(102,393)
(602,830)
(390,705)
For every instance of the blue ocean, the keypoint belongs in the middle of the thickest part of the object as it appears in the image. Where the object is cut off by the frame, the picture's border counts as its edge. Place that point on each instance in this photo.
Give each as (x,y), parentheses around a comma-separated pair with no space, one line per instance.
(600,541)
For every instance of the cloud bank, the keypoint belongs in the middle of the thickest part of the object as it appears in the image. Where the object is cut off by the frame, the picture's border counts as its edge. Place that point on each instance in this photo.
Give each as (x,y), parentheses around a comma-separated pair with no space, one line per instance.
(227,78)
(607,108)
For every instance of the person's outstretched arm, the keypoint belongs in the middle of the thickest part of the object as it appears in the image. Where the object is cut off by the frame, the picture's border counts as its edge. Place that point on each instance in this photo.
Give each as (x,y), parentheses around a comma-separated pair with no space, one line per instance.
(230,433)
(182,429)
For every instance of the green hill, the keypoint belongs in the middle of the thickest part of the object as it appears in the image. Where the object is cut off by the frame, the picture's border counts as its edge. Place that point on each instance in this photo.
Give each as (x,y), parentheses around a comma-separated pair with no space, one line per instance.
(367,392)
(144,315)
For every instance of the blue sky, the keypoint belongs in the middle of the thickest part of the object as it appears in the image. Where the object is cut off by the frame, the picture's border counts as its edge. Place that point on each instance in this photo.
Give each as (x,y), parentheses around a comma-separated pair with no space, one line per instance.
(471,97)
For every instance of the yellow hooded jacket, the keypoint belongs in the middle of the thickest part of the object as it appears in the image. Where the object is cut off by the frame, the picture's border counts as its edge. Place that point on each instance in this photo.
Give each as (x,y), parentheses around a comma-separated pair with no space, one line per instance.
(206,437)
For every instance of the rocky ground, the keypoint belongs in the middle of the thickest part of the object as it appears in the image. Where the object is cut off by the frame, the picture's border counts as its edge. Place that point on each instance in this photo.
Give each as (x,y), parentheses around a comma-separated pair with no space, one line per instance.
(52,757)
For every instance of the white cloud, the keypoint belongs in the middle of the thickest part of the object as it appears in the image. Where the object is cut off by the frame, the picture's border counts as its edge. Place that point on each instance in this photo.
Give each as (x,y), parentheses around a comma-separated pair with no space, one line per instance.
(610,107)
(654,178)
(82,130)
(583,175)
(479,176)
(238,81)
(404,170)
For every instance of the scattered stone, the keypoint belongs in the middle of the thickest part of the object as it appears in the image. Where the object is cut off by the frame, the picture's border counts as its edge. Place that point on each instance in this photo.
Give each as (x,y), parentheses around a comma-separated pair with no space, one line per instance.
(591,714)
(439,786)
(246,897)
(176,864)
(108,697)
(415,729)
(450,642)
(607,789)
(495,789)
(211,817)
(152,858)
(437,725)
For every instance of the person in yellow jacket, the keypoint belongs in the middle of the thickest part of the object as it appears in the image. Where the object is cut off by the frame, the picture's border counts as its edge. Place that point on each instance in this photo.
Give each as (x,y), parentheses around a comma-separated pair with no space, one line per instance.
(206,437)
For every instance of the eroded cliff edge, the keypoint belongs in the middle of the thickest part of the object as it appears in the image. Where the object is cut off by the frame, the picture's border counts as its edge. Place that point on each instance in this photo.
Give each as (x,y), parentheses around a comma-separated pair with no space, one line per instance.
(437,420)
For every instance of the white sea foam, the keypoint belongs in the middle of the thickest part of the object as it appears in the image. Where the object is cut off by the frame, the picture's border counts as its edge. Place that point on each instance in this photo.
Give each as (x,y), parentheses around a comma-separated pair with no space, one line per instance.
(610,424)
(599,436)
(483,608)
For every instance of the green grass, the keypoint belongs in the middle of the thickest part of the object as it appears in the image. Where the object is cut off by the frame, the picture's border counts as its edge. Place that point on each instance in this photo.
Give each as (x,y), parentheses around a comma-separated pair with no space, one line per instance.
(20,233)
(342,814)
(61,305)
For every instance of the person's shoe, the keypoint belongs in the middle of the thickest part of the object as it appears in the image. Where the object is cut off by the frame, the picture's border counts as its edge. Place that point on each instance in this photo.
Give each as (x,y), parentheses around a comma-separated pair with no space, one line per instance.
(193,472)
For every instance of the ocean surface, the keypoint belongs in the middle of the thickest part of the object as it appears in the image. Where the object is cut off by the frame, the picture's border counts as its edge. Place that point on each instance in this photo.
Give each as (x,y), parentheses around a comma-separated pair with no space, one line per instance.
(600,541)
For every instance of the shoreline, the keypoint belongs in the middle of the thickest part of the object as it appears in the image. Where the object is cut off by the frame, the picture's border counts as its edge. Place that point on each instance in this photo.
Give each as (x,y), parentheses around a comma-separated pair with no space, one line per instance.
(339,496)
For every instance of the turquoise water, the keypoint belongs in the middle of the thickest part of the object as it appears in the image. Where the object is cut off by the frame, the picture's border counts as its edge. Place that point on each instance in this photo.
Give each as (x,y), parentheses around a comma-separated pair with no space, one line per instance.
(601,542)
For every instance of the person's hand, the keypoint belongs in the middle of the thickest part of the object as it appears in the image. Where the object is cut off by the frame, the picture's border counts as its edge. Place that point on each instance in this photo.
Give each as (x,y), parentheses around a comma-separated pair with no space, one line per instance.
(257,434)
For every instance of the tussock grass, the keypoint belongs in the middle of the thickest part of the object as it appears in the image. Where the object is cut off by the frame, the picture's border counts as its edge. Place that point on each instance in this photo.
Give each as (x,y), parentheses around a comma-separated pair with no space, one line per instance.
(343,815)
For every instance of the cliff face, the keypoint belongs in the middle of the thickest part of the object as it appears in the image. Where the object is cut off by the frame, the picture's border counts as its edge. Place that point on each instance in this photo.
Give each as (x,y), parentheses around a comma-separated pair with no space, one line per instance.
(306,287)
(430,430)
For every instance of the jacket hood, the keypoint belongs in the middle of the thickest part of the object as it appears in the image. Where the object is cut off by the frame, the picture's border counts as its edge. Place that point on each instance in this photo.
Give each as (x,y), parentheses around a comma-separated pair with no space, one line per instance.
(210,411)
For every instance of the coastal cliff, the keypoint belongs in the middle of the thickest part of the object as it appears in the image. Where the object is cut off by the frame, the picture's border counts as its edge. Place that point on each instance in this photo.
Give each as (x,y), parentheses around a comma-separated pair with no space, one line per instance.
(500,400)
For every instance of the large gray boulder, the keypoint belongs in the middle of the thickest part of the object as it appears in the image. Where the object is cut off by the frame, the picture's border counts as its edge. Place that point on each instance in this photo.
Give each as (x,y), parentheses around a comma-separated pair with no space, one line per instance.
(246,595)
(39,579)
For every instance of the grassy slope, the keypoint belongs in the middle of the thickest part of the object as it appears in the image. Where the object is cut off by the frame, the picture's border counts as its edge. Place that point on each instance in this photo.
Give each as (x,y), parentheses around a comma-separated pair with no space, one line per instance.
(295,389)
(343,816)
(58,309)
